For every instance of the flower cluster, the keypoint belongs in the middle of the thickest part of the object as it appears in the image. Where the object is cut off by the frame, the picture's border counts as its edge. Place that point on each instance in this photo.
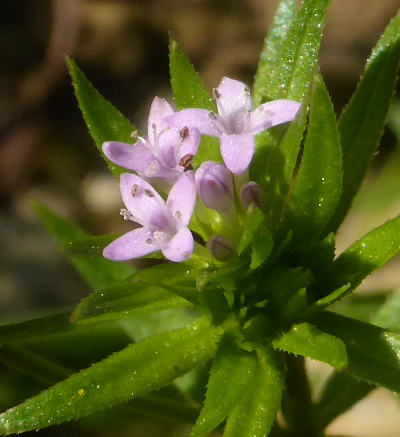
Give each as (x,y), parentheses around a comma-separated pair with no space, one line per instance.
(164,159)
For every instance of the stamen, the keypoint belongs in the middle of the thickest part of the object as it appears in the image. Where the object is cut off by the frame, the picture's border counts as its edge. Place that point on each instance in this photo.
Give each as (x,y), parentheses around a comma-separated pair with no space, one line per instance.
(246,91)
(177,214)
(184,133)
(149,241)
(126,214)
(134,190)
(212,115)
(148,193)
(186,161)
(216,94)
(134,134)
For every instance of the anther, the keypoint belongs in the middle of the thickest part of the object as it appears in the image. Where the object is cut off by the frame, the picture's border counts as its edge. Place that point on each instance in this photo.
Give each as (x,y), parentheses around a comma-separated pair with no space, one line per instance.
(212,115)
(184,133)
(134,190)
(217,94)
(148,193)
(186,161)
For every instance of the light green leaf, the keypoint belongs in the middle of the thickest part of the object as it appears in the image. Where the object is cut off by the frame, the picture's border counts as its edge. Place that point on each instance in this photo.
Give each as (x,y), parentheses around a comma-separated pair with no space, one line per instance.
(340,393)
(230,376)
(104,121)
(308,341)
(293,73)
(126,299)
(252,223)
(318,183)
(388,314)
(361,124)
(256,411)
(272,46)
(130,373)
(373,353)
(190,92)
(97,271)
(364,256)
(261,248)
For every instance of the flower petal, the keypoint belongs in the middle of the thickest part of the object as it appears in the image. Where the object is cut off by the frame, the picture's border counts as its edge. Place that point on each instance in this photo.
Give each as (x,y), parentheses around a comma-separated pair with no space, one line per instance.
(194,118)
(140,198)
(169,142)
(181,198)
(133,157)
(232,97)
(180,247)
(131,245)
(237,151)
(159,109)
(190,143)
(271,114)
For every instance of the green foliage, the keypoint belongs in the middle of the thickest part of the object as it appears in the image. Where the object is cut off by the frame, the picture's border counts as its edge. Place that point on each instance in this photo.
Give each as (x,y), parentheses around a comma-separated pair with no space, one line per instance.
(104,121)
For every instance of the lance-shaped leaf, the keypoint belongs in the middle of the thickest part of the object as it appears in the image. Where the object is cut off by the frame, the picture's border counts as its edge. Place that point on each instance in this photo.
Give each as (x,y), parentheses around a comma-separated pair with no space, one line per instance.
(308,341)
(293,73)
(340,393)
(373,353)
(363,257)
(232,371)
(256,411)
(388,315)
(104,121)
(272,46)
(190,92)
(126,299)
(319,181)
(97,271)
(361,124)
(130,373)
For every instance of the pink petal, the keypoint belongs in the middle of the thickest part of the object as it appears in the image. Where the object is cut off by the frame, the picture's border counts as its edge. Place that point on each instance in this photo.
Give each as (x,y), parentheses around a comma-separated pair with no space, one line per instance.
(136,157)
(140,198)
(272,113)
(232,97)
(131,245)
(237,151)
(169,142)
(159,109)
(181,198)
(180,247)
(194,118)
(190,144)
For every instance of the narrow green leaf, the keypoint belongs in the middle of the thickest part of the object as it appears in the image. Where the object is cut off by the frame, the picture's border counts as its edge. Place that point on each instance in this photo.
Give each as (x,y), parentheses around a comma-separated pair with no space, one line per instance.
(261,248)
(126,299)
(130,373)
(97,271)
(104,121)
(256,411)
(319,181)
(364,256)
(272,46)
(388,315)
(373,353)
(252,222)
(340,393)
(230,376)
(308,341)
(361,124)
(294,69)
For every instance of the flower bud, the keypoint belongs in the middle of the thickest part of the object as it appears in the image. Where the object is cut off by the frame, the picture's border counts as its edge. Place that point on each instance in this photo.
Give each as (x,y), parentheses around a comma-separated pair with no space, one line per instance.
(220,248)
(215,186)
(251,193)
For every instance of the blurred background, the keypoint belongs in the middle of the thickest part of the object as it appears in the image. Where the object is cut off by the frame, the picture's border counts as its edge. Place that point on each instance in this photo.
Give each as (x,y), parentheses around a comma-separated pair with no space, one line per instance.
(122,46)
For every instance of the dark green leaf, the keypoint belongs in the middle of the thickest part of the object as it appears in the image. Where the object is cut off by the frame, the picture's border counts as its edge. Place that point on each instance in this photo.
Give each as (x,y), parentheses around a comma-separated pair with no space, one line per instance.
(232,371)
(294,69)
(130,373)
(256,411)
(364,256)
(97,271)
(104,121)
(308,341)
(373,353)
(272,46)
(252,223)
(319,180)
(340,393)
(361,124)
(261,248)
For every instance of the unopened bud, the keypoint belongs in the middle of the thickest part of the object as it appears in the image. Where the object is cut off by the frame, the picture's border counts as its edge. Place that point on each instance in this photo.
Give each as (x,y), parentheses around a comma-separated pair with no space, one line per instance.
(251,193)
(220,248)
(215,187)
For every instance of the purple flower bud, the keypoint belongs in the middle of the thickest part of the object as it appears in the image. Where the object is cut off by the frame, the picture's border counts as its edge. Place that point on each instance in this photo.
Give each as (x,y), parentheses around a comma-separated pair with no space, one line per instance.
(251,193)
(220,248)
(215,187)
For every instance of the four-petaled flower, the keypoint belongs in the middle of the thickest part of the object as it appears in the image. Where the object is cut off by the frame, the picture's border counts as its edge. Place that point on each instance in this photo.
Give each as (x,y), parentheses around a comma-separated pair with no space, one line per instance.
(164,224)
(236,123)
(165,153)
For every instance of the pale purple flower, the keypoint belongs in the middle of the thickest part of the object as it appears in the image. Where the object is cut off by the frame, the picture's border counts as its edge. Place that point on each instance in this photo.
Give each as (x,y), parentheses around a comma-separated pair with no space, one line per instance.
(236,123)
(215,187)
(251,193)
(164,224)
(165,153)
